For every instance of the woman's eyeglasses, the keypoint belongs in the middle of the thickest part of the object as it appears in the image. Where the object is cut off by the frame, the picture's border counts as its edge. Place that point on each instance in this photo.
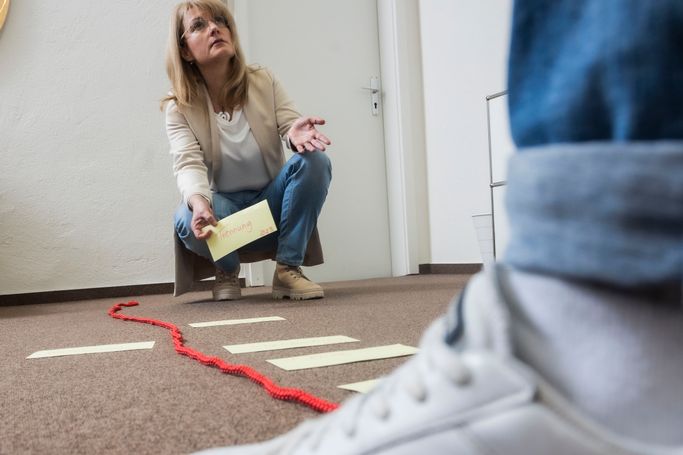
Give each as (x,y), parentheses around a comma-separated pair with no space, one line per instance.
(200,24)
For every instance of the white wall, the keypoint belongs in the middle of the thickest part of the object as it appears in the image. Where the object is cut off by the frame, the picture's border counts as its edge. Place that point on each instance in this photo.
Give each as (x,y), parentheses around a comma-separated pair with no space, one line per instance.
(86,188)
(464,52)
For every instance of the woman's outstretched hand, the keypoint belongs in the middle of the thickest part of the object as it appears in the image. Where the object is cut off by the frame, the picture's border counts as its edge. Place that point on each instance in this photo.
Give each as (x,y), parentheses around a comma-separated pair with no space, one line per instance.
(305,137)
(202,216)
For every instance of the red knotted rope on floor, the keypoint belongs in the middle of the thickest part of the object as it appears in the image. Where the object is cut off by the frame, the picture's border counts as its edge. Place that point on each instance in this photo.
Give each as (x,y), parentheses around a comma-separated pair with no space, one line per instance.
(280,393)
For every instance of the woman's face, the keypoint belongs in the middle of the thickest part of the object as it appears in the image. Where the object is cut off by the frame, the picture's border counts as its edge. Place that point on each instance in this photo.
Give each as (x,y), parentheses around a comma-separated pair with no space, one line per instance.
(207,39)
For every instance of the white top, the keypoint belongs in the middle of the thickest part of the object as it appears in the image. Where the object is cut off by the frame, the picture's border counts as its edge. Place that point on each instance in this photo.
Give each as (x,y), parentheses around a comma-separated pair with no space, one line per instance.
(242,165)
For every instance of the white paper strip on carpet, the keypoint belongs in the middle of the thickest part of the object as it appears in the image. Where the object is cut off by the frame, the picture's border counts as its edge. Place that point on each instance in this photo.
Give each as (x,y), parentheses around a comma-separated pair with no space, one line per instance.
(287,344)
(325,359)
(236,321)
(92,349)
(361,387)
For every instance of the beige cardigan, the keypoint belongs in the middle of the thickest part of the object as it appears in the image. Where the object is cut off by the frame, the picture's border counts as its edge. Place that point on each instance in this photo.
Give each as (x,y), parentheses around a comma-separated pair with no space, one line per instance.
(195,147)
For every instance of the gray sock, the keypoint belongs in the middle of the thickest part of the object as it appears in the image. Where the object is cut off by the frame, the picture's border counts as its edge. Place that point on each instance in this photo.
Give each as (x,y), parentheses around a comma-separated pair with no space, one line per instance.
(617,356)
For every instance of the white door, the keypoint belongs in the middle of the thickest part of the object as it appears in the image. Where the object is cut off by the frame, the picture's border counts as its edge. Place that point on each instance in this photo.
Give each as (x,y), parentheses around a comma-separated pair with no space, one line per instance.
(324,52)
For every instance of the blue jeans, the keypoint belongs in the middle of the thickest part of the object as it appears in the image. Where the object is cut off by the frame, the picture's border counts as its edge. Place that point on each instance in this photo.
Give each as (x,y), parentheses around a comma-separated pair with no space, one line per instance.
(596,110)
(596,70)
(295,196)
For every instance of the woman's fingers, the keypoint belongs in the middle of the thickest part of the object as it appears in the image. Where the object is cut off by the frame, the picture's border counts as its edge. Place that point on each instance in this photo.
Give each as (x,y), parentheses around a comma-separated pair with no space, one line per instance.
(322,138)
(202,235)
(197,231)
(305,137)
(316,120)
(200,220)
(318,145)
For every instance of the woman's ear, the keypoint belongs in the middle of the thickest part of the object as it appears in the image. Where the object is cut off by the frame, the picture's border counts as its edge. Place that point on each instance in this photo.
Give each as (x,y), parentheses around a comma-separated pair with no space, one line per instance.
(186,54)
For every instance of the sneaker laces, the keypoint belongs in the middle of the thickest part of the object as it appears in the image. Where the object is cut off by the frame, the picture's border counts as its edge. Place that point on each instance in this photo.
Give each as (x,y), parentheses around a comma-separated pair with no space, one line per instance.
(378,401)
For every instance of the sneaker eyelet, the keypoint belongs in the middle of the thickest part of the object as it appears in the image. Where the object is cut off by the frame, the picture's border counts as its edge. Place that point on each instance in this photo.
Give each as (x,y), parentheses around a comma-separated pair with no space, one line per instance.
(423,397)
(462,378)
(350,432)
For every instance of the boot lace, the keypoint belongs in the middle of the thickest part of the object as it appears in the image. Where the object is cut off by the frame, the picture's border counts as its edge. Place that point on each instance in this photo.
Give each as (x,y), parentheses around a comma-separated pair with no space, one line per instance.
(296,272)
(229,278)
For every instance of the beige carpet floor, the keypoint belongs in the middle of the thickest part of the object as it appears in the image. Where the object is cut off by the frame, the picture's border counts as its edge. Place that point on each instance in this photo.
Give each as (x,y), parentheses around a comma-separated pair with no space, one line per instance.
(156,401)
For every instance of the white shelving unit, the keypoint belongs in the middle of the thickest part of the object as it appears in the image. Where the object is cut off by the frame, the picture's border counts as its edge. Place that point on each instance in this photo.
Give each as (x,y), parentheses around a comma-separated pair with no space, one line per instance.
(500,148)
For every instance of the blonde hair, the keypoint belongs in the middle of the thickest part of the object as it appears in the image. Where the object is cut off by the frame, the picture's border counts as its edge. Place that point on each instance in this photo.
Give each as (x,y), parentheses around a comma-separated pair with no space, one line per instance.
(186,78)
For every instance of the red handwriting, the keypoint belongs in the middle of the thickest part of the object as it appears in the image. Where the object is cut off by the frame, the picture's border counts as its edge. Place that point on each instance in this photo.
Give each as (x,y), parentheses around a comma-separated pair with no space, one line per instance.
(267,230)
(244,227)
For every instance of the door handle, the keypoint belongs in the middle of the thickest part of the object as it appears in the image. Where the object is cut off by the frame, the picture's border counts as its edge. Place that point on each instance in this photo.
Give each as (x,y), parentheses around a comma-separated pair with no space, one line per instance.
(374,85)
(374,95)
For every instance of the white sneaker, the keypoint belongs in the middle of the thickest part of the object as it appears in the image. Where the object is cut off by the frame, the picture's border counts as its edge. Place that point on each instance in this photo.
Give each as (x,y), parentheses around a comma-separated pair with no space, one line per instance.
(471,399)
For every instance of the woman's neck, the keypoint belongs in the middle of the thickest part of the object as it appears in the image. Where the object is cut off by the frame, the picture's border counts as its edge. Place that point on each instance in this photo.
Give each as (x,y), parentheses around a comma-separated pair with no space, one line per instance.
(215,77)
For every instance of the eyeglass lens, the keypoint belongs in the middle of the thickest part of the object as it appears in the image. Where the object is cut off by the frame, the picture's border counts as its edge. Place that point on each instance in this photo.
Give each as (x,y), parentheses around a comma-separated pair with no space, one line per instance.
(200,24)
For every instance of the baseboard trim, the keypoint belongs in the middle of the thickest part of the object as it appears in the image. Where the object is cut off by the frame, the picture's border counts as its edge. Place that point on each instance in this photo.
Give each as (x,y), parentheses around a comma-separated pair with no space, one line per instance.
(449,269)
(72,295)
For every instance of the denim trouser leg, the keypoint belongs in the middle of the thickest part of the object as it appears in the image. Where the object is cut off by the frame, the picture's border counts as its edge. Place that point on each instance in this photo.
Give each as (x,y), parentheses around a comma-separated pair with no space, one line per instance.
(594,70)
(295,196)
(596,110)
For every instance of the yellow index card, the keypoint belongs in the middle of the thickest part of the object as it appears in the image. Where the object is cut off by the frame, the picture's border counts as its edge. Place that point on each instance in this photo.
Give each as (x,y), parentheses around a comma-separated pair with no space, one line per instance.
(239,229)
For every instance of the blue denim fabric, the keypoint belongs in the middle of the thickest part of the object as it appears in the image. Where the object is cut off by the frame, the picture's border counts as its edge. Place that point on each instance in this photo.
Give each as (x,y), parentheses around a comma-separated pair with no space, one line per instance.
(295,196)
(593,70)
(596,110)
(603,211)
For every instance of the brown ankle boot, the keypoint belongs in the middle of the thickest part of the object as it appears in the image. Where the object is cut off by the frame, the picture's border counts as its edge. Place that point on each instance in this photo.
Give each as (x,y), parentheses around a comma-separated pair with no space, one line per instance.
(227,286)
(289,281)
